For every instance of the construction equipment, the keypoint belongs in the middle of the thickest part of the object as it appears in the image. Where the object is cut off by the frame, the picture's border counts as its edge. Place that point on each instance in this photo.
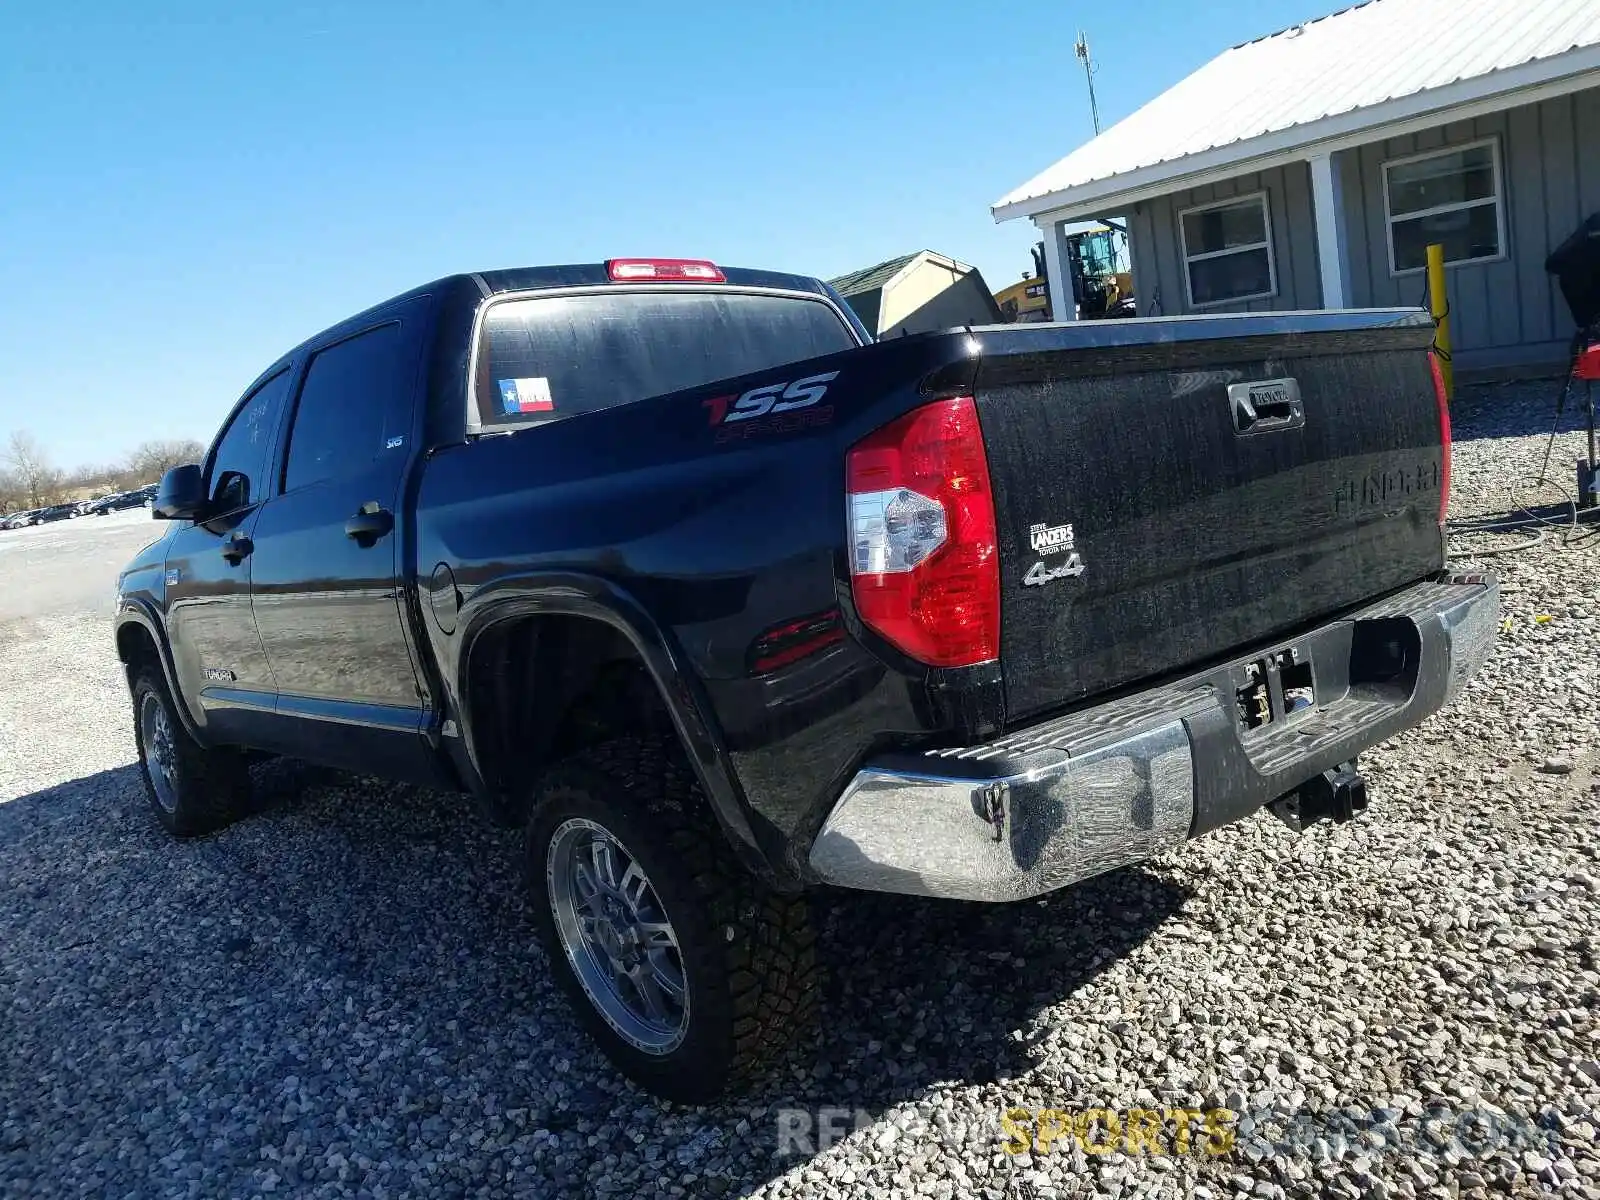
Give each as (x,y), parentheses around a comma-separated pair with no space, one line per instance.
(1100,285)
(1099,288)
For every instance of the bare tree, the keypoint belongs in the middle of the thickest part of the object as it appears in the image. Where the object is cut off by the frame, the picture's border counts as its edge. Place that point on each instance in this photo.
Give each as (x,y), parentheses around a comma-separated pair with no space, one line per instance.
(99,478)
(27,459)
(12,494)
(151,460)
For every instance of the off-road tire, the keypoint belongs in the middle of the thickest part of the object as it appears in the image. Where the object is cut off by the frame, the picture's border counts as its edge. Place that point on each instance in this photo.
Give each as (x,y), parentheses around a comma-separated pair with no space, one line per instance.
(749,954)
(212,786)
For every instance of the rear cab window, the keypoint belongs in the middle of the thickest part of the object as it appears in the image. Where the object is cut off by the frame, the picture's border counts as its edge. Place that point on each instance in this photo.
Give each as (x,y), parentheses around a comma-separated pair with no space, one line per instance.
(541,358)
(350,404)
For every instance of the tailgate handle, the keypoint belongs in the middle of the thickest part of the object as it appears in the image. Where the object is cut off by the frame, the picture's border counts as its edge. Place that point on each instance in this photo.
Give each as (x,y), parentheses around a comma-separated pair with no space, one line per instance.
(1266,406)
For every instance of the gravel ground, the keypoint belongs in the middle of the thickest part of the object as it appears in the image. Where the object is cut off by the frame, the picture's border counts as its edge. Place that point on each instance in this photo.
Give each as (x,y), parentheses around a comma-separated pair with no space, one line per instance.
(340,996)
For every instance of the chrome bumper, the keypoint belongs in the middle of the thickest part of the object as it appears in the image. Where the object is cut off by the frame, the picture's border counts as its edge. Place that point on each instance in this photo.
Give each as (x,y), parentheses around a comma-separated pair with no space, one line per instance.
(1124,781)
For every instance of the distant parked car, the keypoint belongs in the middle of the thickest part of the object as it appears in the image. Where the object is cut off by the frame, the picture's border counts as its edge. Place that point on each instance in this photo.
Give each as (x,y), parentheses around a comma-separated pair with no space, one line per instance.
(56,512)
(20,520)
(115,502)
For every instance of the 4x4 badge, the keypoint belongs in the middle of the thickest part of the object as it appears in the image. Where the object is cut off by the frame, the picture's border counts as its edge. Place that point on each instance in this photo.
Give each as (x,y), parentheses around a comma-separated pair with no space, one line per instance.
(1042,573)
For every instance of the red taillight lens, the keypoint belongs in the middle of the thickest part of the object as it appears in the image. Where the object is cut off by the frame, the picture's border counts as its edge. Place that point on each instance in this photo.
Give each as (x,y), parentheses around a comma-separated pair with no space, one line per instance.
(1444,434)
(667,270)
(923,563)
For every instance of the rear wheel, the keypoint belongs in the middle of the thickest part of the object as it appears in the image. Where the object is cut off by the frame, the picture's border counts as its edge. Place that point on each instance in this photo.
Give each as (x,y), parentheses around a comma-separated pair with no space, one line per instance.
(689,973)
(192,790)
(617,936)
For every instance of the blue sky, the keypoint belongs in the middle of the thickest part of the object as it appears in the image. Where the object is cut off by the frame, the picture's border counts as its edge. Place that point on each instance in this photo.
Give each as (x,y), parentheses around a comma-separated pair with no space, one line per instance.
(188,189)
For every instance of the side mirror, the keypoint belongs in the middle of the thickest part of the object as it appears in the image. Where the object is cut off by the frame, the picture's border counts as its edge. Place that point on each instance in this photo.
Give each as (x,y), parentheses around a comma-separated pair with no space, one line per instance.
(181,496)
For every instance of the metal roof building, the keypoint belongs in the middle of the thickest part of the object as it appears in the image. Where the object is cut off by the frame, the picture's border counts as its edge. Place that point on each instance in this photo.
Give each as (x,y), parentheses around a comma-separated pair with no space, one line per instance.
(1309,168)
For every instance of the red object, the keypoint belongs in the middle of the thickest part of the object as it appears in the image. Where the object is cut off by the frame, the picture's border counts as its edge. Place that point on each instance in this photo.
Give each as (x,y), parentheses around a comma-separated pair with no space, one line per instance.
(1588,364)
(664,270)
(945,610)
(1444,434)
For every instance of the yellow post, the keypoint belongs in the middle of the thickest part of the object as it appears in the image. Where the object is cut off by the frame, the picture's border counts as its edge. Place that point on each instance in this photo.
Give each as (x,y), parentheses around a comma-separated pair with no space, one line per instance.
(1439,306)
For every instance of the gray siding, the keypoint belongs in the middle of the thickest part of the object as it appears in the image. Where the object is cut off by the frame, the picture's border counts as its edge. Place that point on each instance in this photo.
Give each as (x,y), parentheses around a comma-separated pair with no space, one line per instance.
(1157,243)
(1510,311)
(1503,313)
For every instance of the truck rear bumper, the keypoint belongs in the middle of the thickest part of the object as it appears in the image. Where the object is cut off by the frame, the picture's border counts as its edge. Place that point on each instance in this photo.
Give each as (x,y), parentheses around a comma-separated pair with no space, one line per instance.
(1122,781)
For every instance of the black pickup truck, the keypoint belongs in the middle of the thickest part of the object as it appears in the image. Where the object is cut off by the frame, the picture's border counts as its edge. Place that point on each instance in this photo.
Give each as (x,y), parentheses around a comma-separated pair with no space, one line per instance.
(721,601)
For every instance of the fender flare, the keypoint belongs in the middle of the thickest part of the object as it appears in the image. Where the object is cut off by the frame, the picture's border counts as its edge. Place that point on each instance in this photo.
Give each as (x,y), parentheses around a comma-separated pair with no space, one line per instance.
(595,598)
(139,611)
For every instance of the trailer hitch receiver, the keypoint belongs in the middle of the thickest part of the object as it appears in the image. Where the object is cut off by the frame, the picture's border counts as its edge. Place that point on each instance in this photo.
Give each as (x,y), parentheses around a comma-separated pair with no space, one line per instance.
(1335,795)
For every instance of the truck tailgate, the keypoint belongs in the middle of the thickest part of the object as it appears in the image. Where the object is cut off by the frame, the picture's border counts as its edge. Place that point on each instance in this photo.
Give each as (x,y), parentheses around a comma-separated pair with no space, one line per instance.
(1224,479)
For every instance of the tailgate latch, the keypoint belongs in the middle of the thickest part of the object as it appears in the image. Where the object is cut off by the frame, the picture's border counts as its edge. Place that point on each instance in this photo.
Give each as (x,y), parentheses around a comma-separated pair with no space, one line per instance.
(1266,406)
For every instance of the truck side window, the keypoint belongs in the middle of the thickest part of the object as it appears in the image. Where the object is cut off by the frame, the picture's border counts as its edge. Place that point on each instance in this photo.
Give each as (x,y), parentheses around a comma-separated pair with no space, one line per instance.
(239,462)
(339,422)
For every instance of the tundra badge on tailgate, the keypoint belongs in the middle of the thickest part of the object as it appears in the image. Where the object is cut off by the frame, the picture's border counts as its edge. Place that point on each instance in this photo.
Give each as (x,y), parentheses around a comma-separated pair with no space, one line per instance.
(1052,539)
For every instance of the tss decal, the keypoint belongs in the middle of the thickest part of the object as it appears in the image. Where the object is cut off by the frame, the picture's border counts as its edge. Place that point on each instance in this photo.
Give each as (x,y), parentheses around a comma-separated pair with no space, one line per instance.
(769,398)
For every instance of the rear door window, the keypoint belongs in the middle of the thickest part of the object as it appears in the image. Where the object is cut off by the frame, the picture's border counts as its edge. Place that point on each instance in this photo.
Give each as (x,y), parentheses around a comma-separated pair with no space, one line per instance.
(546,357)
(342,417)
(239,463)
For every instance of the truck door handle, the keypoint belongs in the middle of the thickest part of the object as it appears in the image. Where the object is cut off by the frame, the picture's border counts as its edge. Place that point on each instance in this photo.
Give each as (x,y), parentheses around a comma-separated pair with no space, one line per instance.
(237,548)
(369,524)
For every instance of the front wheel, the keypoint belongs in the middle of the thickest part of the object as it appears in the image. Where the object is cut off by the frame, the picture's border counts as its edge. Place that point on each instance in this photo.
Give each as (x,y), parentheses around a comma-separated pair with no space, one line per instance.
(192,789)
(689,974)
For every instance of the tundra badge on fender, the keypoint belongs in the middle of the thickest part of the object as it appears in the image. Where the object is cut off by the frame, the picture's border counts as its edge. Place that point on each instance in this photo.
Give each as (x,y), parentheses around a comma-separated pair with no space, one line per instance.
(1052,539)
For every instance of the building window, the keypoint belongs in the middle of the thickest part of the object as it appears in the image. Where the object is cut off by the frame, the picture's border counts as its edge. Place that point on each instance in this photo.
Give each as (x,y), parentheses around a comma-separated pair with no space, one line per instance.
(1451,197)
(1227,251)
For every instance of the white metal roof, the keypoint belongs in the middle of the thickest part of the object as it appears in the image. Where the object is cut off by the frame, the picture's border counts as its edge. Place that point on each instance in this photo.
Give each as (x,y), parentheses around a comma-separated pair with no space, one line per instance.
(1359,68)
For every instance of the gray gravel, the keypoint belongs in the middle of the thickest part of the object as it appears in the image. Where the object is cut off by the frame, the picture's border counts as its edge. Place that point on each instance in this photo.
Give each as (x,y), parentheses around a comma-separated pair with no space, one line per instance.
(340,995)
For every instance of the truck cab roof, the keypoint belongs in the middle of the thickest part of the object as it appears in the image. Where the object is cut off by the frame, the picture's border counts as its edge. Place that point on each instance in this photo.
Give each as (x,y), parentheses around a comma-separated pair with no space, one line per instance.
(519,279)
(486,284)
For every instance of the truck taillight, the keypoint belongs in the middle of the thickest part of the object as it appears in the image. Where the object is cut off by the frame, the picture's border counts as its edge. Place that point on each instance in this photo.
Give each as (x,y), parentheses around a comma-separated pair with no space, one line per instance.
(1444,434)
(924,568)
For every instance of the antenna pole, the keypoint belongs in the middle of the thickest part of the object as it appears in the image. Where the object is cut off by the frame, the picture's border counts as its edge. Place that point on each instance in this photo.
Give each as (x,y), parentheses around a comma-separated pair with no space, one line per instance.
(1081,48)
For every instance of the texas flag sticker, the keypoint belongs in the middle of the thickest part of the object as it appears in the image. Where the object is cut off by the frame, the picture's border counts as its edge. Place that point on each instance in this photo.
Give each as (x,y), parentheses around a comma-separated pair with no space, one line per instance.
(526,395)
